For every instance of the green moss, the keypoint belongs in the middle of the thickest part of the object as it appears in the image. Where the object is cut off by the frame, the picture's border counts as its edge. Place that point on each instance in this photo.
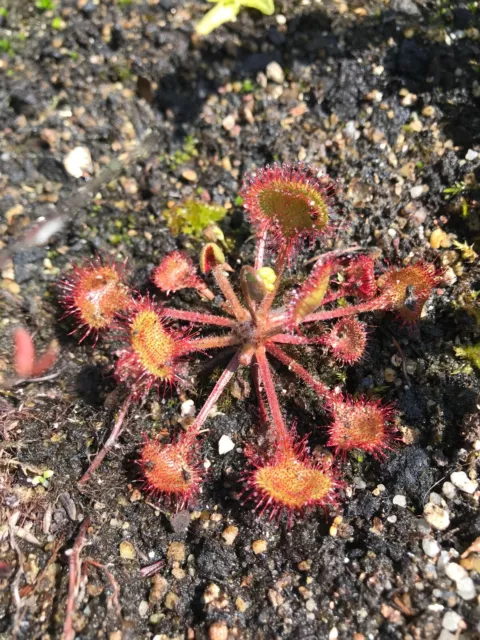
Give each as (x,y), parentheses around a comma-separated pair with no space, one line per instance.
(6,46)
(470,353)
(45,5)
(192,217)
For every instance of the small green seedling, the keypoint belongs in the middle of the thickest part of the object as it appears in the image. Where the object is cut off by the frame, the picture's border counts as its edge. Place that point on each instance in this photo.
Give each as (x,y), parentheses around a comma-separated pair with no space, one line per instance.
(227,11)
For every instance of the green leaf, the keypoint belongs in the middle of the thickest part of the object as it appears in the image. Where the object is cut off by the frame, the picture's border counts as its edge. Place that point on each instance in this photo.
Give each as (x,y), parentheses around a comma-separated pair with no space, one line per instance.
(265,6)
(217,16)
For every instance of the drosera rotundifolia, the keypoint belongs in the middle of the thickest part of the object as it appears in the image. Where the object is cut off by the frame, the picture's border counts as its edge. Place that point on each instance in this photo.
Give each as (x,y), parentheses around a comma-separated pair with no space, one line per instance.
(288,206)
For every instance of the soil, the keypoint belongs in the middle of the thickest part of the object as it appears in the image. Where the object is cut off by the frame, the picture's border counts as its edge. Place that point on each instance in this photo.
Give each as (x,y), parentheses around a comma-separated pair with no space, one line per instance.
(383,95)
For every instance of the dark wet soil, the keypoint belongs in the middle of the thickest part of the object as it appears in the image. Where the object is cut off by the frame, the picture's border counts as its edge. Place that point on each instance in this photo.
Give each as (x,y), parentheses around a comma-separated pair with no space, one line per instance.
(384,95)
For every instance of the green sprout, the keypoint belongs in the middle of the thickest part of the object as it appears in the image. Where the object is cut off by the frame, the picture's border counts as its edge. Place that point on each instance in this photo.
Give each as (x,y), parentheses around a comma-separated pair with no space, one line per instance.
(227,11)
(192,217)
(43,479)
(45,5)
(6,46)
(455,190)
(58,24)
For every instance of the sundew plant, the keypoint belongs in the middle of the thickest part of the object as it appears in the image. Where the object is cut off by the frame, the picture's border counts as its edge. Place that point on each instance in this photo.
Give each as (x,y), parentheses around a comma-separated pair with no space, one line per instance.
(288,206)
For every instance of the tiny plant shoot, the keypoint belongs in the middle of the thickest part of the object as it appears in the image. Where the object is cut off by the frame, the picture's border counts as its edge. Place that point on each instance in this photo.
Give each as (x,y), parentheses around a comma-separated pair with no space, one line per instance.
(227,11)
(287,205)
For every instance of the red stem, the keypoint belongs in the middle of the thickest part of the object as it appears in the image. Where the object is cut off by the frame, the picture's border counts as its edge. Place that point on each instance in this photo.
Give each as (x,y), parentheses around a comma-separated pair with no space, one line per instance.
(300,371)
(260,251)
(371,305)
(270,297)
(226,288)
(117,429)
(285,338)
(198,318)
(216,392)
(258,389)
(212,342)
(272,398)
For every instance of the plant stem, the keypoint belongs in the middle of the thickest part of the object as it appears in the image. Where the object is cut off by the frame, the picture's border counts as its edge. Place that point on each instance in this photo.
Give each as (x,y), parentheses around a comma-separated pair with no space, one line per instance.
(284,338)
(198,318)
(224,285)
(117,429)
(300,371)
(272,398)
(270,297)
(211,342)
(260,251)
(215,394)
(376,304)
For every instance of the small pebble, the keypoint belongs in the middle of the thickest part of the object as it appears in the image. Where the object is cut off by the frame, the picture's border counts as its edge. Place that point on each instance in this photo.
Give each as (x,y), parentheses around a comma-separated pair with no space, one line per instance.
(218,631)
(455,572)
(127,550)
(416,192)
(275,72)
(466,588)
(229,534)
(176,552)
(471,155)
(77,161)
(190,175)
(448,490)
(359,483)
(451,621)
(436,516)
(430,547)
(463,482)
(310,605)
(228,122)
(225,444)
(259,546)
(187,409)
(143,608)
(333,634)
(400,501)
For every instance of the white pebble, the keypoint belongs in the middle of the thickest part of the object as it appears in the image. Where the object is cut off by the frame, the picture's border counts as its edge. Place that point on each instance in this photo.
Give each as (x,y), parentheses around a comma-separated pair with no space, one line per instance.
(455,572)
(400,501)
(436,516)
(471,155)
(451,621)
(333,635)
(275,72)
(77,161)
(430,547)
(466,588)
(416,192)
(463,482)
(187,409)
(143,608)
(225,444)
(448,490)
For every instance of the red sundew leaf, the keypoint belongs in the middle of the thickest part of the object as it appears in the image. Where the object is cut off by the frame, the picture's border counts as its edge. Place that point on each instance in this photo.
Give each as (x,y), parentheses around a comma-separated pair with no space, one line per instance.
(176,272)
(311,294)
(291,202)
(347,340)
(171,470)
(211,256)
(24,353)
(289,481)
